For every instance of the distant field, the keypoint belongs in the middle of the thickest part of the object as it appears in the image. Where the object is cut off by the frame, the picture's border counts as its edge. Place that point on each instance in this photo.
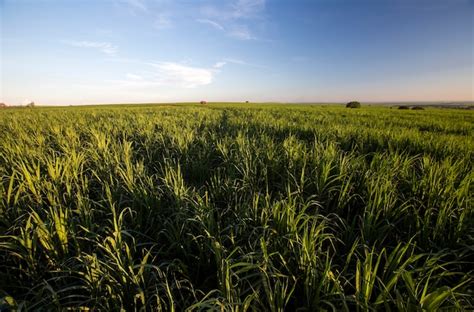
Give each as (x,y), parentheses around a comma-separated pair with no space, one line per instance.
(235,207)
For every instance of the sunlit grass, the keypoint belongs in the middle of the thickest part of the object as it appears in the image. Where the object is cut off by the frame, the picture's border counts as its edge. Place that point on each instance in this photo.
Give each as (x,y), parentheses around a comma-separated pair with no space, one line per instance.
(236,207)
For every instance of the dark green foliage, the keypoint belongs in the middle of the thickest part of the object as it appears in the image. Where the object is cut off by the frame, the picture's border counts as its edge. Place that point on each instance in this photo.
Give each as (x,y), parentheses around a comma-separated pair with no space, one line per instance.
(235,208)
(353,104)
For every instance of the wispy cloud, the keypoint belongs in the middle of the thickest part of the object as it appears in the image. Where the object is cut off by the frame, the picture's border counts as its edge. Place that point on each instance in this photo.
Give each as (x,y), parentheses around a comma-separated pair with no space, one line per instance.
(235,61)
(241,62)
(104,47)
(162,21)
(214,24)
(236,16)
(219,64)
(134,77)
(170,74)
(227,61)
(247,8)
(134,5)
(181,75)
(241,32)
(240,9)
(154,11)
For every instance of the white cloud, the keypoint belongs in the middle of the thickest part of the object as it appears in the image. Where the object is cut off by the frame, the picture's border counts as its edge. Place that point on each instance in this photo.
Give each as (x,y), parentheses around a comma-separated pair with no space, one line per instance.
(237,15)
(235,61)
(212,23)
(244,63)
(104,47)
(239,9)
(219,64)
(162,21)
(241,32)
(248,8)
(135,5)
(152,11)
(134,77)
(226,61)
(182,75)
(169,74)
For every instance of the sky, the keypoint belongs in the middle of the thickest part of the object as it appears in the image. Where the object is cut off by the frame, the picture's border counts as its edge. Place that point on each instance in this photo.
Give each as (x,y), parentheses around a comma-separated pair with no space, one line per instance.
(66,52)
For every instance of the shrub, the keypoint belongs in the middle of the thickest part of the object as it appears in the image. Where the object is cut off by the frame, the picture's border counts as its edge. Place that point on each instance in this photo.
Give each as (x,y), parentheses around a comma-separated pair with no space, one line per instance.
(353,104)
(417,108)
(403,107)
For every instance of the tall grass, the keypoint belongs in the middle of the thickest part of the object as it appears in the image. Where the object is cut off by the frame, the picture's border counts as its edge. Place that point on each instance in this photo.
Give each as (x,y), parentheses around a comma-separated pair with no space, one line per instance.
(236,207)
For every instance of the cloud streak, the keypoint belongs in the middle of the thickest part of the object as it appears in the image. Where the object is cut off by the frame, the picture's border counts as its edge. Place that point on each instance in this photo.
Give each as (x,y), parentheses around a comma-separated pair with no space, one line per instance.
(240,9)
(171,74)
(243,63)
(134,5)
(153,10)
(104,47)
(176,74)
(247,8)
(219,64)
(242,33)
(235,16)
(211,23)
(162,21)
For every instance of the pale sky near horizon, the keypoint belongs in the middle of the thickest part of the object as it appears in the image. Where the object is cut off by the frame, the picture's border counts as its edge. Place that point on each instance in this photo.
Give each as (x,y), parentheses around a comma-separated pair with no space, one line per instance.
(125,51)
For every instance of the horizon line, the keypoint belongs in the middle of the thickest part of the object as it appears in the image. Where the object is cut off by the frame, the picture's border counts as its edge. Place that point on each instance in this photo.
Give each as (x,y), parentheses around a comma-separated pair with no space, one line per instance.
(425,102)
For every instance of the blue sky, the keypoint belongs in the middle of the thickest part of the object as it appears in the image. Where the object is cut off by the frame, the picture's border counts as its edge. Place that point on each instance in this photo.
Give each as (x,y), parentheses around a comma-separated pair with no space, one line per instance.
(123,51)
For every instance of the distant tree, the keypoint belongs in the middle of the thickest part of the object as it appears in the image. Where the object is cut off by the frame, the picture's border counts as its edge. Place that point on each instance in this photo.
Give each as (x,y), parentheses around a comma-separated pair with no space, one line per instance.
(403,107)
(417,108)
(30,105)
(246,101)
(3,105)
(203,102)
(353,104)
